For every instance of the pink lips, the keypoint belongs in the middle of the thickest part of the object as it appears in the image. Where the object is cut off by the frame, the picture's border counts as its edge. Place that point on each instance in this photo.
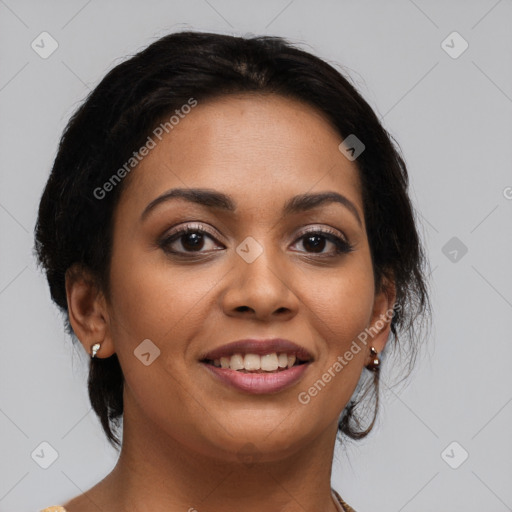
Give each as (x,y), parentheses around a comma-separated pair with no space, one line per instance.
(259,383)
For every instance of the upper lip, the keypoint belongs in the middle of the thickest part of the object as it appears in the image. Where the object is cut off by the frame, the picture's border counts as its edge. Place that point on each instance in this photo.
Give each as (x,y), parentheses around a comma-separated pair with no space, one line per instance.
(259,347)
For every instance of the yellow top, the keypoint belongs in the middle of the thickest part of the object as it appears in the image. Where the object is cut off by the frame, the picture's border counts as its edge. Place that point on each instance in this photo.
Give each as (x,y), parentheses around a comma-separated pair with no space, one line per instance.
(344,506)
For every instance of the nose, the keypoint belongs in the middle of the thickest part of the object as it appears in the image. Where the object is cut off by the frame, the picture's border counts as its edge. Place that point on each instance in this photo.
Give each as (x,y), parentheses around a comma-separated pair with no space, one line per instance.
(260,290)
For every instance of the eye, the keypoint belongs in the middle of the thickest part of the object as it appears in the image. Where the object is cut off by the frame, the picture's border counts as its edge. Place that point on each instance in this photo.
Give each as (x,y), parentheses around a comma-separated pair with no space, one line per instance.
(191,238)
(315,240)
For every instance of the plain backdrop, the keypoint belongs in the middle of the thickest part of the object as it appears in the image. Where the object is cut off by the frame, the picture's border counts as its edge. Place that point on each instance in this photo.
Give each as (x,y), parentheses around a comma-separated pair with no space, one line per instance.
(443,441)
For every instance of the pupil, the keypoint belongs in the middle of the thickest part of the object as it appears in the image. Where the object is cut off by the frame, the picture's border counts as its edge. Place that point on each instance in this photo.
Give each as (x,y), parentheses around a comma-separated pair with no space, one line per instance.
(193,241)
(315,245)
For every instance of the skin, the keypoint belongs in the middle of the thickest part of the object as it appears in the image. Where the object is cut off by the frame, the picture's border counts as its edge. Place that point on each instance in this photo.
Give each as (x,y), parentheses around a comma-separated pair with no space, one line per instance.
(183,430)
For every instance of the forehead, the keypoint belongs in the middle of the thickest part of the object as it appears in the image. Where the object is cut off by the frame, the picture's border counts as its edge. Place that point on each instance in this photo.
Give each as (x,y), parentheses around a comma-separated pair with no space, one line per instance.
(248,146)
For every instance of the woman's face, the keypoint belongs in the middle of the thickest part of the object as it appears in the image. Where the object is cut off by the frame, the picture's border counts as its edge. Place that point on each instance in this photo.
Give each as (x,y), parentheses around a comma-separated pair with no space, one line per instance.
(247,272)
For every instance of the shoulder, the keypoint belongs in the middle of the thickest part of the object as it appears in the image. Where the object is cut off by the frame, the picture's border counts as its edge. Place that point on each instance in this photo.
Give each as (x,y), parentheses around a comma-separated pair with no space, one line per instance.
(55,508)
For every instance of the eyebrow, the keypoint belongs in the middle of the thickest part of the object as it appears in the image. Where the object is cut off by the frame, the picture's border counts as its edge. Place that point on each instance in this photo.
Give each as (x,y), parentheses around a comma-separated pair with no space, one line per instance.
(217,200)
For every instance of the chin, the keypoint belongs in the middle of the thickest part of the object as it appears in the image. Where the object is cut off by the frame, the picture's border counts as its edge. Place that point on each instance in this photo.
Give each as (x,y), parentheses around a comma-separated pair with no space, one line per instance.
(265,444)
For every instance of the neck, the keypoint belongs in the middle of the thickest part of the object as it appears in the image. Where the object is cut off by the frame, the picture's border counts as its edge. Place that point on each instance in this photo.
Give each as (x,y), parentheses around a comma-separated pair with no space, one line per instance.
(156,472)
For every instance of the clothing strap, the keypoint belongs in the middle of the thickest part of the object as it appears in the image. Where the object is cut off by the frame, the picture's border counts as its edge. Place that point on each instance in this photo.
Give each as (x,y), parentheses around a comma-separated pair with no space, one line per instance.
(345,507)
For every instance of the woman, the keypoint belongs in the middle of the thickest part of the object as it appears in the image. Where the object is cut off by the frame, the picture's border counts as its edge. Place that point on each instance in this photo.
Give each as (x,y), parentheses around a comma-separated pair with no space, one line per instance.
(228,231)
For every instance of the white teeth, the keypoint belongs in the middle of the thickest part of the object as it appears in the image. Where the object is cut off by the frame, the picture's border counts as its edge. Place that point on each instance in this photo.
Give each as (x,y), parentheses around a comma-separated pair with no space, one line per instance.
(236,362)
(282,360)
(253,362)
(269,362)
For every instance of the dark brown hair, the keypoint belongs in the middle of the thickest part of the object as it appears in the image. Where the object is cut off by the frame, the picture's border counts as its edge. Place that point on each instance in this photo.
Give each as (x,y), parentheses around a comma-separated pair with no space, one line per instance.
(74,226)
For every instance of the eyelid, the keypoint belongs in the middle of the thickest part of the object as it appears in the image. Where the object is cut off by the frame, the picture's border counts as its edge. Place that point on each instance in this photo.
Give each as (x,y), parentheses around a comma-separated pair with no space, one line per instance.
(336,237)
(191,227)
(314,228)
(324,229)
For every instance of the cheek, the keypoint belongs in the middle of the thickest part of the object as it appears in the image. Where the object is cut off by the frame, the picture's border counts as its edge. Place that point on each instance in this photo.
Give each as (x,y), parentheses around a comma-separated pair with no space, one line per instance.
(341,302)
(340,307)
(340,312)
(153,299)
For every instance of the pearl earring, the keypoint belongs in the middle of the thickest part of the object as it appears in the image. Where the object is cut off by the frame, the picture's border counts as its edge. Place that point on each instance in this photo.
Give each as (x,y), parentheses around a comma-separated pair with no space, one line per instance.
(95,349)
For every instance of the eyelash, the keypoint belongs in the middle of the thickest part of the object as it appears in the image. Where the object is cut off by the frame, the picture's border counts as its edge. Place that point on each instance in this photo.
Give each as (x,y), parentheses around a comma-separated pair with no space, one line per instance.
(341,246)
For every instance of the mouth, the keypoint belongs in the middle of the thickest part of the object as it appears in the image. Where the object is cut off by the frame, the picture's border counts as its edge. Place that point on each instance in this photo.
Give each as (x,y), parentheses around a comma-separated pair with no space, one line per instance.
(258,366)
(253,363)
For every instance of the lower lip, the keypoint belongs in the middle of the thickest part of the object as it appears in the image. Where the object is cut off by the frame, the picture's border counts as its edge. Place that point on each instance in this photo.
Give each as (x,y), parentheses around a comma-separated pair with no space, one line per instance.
(259,383)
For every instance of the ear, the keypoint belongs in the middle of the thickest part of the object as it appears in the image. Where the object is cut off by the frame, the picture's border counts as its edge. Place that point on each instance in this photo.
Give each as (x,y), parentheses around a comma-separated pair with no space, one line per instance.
(88,313)
(382,315)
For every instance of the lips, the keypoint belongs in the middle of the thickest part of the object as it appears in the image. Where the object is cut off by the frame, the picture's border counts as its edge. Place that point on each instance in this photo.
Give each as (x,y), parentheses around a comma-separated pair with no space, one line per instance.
(258,366)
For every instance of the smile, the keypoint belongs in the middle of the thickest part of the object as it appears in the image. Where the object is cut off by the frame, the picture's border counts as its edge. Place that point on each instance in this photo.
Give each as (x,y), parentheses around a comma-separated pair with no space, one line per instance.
(258,366)
(254,363)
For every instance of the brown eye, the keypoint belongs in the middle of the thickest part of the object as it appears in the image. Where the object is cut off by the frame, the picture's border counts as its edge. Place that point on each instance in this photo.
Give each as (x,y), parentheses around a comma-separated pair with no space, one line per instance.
(193,241)
(187,240)
(315,241)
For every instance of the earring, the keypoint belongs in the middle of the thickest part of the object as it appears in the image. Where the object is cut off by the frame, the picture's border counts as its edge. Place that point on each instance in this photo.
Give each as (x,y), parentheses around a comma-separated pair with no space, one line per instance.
(95,349)
(375,364)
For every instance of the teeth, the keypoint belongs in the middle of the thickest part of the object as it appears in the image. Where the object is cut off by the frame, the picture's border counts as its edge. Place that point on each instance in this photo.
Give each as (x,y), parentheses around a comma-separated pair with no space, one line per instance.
(269,362)
(282,360)
(236,362)
(253,362)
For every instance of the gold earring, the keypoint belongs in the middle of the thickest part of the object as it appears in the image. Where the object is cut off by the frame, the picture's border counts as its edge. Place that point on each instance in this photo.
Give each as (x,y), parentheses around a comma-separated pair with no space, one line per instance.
(95,349)
(375,364)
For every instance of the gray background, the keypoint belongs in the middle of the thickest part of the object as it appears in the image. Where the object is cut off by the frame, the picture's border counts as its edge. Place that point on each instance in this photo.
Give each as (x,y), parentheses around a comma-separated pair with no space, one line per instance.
(453,120)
